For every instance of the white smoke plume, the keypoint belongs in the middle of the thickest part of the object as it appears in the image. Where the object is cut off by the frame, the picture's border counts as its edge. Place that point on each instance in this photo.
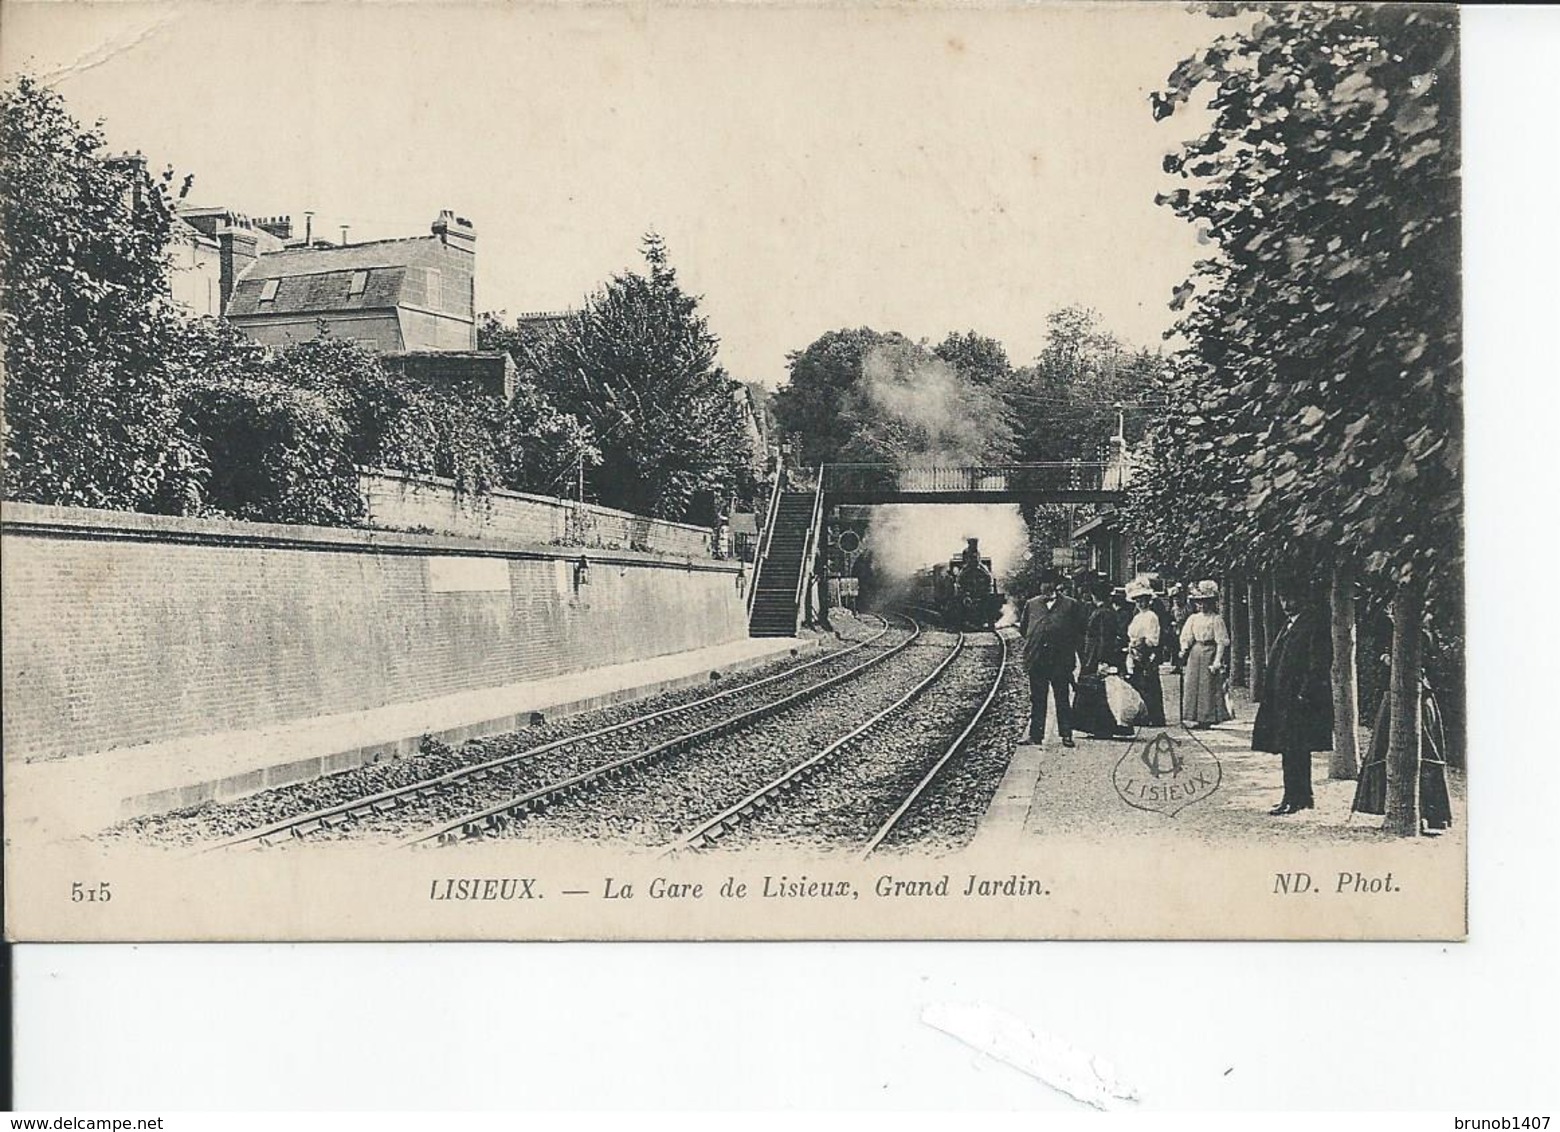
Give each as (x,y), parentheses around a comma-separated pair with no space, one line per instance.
(906,537)
(920,411)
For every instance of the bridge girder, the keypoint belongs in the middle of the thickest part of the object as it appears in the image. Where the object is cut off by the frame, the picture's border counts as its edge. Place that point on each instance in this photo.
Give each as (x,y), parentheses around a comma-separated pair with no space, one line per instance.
(831,498)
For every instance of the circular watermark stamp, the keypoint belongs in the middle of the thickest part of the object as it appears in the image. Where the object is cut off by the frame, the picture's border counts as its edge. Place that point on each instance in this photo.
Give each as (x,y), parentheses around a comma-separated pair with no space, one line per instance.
(1165,771)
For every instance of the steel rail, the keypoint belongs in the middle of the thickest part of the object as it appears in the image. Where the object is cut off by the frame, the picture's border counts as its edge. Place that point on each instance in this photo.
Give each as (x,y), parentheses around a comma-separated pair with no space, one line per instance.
(500,816)
(953,748)
(708,832)
(340,813)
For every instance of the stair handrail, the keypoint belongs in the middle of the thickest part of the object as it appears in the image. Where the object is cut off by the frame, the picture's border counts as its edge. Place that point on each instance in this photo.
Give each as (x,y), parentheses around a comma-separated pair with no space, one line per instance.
(810,546)
(762,554)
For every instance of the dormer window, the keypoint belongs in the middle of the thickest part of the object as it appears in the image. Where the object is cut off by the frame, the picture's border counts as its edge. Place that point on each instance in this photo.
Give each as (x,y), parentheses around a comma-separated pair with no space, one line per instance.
(359,282)
(268,290)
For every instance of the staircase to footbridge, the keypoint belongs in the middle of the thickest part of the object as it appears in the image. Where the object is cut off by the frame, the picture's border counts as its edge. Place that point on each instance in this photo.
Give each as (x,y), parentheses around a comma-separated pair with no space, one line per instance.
(787,563)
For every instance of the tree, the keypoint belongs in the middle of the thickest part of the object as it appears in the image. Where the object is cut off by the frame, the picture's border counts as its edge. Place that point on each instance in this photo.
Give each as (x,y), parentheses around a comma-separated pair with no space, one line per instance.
(1065,405)
(860,396)
(394,421)
(636,368)
(1323,382)
(284,432)
(279,453)
(544,449)
(1345,686)
(1185,504)
(812,406)
(908,406)
(981,360)
(92,413)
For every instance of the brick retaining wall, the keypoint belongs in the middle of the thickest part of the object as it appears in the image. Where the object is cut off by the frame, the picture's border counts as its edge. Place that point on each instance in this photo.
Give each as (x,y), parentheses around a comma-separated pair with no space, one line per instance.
(122,629)
(396,500)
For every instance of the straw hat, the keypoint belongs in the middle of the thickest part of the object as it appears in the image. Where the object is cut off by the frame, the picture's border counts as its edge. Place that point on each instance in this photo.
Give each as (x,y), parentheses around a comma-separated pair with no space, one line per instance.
(1205,591)
(1139,587)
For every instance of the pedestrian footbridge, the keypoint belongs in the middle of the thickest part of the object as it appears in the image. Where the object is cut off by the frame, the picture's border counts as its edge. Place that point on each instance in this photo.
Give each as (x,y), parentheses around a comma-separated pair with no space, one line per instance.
(1071,481)
(787,563)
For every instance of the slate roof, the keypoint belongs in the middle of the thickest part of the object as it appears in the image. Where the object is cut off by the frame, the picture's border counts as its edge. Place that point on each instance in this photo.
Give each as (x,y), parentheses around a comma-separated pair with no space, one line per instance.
(320,279)
(328,291)
(404,252)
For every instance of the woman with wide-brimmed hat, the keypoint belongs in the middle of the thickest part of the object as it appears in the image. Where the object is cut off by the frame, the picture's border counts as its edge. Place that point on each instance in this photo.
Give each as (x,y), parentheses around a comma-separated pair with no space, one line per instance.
(1143,640)
(1205,646)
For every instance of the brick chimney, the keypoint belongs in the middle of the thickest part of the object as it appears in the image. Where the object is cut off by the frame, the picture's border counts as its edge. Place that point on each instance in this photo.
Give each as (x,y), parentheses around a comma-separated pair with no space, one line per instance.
(279,226)
(134,165)
(237,243)
(455,232)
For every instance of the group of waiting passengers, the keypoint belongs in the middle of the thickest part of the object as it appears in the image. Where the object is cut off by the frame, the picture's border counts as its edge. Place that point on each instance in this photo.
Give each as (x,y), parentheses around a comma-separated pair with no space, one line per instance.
(1127,631)
(1132,631)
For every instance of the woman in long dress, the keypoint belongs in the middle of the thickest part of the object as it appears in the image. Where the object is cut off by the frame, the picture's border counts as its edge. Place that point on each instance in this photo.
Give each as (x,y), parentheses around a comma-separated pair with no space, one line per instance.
(1104,651)
(1143,633)
(1205,645)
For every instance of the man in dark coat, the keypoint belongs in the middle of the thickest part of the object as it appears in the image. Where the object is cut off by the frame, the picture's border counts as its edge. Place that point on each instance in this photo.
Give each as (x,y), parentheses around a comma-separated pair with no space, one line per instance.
(1053,626)
(1294,715)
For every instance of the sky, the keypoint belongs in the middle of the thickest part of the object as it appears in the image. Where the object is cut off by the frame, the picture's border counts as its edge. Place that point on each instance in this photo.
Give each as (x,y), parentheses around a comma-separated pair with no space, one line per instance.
(812,168)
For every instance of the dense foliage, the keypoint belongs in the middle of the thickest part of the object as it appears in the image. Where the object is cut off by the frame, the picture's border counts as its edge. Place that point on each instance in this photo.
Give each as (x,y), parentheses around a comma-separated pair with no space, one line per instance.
(1317,411)
(284,431)
(543,448)
(978,358)
(91,397)
(115,398)
(1066,404)
(630,383)
(278,453)
(393,421)
(862,396)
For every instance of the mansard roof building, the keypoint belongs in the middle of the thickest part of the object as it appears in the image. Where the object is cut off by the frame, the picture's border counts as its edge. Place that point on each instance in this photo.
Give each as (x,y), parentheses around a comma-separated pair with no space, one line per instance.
(394,296)
(412,300)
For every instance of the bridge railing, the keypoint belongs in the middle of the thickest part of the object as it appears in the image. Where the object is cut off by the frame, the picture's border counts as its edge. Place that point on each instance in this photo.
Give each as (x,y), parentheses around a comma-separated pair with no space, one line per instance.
(1058,476)
(765,537)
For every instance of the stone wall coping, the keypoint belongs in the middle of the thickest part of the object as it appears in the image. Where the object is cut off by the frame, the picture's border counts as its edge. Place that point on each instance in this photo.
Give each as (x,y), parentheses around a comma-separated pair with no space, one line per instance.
(550,500)
(41,520)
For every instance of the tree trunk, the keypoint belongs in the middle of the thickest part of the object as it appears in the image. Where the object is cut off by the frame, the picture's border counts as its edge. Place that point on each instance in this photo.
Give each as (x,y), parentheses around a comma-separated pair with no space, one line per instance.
(1239,645)
(1273,618)
(1258,636)
(1403,744)
(1344,762)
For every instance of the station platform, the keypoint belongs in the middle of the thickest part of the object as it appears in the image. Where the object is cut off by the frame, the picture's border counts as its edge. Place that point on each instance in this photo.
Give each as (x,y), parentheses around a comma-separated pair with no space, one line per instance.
(1051,791)
(70,797)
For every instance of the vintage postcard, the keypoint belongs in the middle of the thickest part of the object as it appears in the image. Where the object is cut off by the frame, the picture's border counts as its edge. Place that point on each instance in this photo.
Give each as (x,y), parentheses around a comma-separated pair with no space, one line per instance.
(674,471)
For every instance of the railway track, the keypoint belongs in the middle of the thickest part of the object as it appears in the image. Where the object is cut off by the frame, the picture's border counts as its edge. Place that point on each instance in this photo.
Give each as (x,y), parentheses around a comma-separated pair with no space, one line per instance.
(516,808)
(946,816)
(346,815)
(877,775)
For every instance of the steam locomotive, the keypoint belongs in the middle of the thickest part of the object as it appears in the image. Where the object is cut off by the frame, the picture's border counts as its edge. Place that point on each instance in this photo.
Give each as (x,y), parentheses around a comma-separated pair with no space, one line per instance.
(963,590)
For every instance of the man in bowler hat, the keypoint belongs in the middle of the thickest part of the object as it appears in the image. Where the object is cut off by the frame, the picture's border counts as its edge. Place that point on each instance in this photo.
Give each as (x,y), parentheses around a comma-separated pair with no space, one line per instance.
(1053,627)
(1294,715)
